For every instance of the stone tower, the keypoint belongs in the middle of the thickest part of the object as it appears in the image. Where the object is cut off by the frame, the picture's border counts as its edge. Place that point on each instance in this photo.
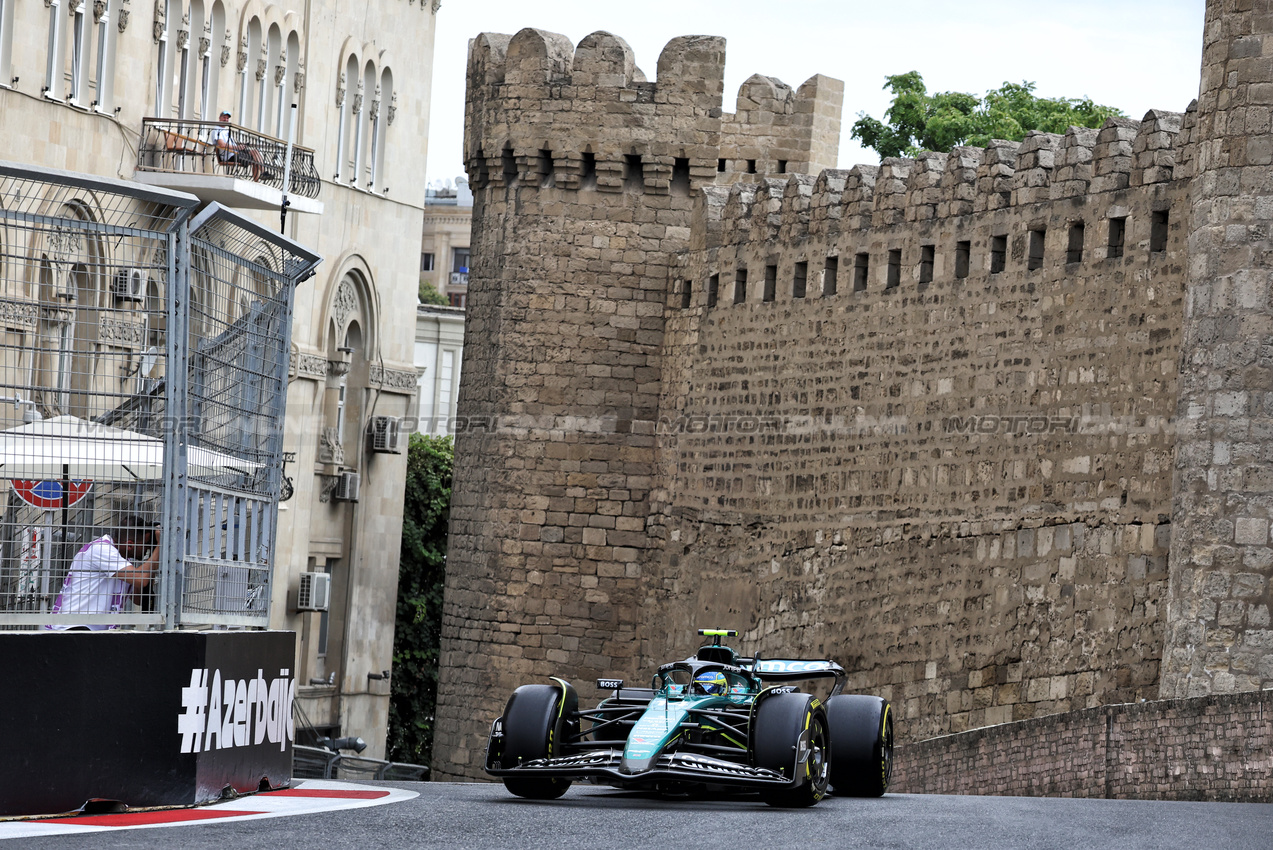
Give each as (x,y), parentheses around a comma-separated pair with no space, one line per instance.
(1218,631)
(583,175)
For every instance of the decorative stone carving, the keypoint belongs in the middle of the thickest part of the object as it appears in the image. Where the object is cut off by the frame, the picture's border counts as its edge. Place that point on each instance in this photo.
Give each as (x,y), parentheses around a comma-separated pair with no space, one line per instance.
(225,48)
(327,486)
(161,19)
(393,379)
(183,34)
(311,365)
(340,89)
(393,108)
(19,315)
(437,4)
(375,104)
(260,69)
(345,302)
(122,14)
(204,44)
(330,451)
(56,316)
(62,243)
(242,61)
(337,369)
(298,79)
(358,97)
(120,331)
(280,73)
(99,11)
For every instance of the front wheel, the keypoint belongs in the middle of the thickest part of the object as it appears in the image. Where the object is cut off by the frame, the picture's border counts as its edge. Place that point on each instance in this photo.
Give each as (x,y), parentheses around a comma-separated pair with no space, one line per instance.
(531,724)
(789,735)
(861,744)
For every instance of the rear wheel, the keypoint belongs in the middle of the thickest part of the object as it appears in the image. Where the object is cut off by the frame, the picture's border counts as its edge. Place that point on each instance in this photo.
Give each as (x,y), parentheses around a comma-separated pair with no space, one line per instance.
(790,736)
(531,722)
(861,744)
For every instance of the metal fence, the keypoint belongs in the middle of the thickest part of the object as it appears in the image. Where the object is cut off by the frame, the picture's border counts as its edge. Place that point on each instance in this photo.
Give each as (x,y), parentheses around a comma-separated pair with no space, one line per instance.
(228,150)
(143,370)
(320,763)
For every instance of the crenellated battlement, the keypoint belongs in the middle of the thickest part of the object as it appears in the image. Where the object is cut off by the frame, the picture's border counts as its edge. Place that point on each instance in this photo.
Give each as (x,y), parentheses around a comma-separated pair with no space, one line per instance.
(935,187)
(543,113)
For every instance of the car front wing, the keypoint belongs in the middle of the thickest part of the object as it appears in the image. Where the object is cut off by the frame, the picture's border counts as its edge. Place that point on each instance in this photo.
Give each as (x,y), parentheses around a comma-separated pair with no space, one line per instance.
(606,766)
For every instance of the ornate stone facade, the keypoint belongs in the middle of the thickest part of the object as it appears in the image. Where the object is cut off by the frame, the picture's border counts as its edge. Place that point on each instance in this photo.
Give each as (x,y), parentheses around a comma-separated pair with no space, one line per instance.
(358,233)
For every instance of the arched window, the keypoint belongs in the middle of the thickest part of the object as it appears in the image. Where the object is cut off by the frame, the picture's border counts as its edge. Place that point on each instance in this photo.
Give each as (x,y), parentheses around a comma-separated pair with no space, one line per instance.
(57,50)
(362,139)
(105,76)
(205,308)
(81,391)
(380,112)
(265,91)
(285,79)
(81,49)
(208,72)
(348,408)
(191,59)
(56,332)
(345,99)
(6,42)
(156,316)
(249,69)
(165,60)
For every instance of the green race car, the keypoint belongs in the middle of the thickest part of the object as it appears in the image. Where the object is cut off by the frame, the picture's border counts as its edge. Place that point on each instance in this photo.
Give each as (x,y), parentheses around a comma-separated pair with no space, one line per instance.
(713,722)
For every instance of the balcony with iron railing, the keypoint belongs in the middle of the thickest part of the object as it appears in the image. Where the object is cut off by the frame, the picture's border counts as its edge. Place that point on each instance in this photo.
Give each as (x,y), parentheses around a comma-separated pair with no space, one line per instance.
(223,162)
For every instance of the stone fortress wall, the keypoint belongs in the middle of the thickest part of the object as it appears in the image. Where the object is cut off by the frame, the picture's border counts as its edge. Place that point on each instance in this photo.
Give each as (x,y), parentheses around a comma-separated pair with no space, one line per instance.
(919,417)
(955,473)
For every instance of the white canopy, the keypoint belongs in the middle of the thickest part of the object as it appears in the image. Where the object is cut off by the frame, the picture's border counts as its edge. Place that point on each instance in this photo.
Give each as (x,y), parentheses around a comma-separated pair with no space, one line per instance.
(80,449)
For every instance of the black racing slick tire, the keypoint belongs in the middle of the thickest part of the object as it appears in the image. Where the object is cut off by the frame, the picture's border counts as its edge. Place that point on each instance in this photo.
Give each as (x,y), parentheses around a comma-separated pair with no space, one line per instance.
(790,735)
(532,720)
(861,745)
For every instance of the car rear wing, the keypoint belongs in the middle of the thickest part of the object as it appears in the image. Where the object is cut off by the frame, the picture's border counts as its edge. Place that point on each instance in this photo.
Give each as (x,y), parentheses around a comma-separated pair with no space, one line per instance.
(771,670)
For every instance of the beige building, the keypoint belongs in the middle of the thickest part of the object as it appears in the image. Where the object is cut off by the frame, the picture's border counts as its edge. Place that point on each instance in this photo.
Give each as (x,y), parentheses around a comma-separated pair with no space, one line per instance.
(439,347)
(444,252)
(90,88)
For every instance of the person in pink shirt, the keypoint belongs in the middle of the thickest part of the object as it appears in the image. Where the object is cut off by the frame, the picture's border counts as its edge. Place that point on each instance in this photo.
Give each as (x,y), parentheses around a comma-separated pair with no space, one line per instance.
(105,574)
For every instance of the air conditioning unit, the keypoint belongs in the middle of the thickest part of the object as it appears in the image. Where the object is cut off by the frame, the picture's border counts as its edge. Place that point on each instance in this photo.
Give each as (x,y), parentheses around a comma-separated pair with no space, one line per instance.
(385,433)
(129,285)
(315,593)
(346,487)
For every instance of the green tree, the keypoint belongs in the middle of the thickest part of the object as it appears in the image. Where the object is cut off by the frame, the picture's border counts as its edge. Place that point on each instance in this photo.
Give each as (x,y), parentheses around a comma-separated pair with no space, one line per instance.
(421,573)
(430,295)
(918,121)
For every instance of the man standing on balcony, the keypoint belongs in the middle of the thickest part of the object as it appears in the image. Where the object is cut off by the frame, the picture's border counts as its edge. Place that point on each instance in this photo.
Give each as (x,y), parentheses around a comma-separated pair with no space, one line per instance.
(230,152)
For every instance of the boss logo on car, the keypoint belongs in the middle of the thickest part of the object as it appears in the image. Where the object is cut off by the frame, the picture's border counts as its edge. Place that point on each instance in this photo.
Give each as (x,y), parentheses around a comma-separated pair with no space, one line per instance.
(609,684)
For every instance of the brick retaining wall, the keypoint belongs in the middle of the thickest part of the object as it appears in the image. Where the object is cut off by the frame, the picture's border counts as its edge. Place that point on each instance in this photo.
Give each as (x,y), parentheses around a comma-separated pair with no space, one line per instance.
(1217,748)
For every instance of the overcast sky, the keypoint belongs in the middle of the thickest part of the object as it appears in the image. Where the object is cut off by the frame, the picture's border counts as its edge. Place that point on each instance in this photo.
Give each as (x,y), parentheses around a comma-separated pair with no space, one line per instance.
(1135,55)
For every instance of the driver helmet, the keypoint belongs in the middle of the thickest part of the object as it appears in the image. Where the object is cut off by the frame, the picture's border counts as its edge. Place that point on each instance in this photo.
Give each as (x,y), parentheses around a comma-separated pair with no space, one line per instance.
(712,682)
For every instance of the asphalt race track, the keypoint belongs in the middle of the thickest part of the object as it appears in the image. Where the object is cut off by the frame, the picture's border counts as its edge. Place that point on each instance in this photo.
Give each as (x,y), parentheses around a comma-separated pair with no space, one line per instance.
(486,816)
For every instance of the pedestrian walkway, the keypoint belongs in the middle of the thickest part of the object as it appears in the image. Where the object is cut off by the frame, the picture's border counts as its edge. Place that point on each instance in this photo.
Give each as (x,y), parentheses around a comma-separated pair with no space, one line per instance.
(305,797)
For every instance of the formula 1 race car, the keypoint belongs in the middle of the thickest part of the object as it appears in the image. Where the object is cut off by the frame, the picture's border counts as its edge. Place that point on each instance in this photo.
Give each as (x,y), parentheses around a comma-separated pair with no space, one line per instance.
(713,722)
